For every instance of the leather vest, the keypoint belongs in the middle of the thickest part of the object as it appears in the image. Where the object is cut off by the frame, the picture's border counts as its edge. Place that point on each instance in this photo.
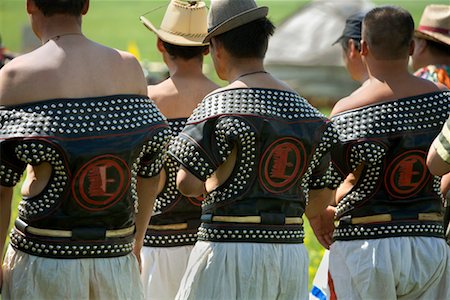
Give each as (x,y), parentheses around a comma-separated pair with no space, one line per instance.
(281,143)
(175,218)
(392,140)
(96,147)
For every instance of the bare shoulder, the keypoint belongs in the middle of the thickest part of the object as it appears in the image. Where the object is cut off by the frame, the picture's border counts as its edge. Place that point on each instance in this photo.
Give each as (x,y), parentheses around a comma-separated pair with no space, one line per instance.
(348,103)
(16,79)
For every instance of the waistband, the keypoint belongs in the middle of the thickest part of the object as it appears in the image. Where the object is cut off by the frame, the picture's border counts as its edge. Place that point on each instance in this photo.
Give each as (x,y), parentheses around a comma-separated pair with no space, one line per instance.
(263,218)
(254,233)
(76,233)
(386,218)
(386,230)
(82,243)
(172,235)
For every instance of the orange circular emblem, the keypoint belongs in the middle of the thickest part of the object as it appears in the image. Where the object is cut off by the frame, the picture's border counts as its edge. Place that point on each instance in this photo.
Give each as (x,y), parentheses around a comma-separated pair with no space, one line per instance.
(101,182)
(281,165)
(407,174)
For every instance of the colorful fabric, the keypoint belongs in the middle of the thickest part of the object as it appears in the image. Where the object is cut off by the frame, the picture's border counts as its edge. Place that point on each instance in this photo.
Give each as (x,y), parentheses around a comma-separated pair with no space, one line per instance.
(435,73)
(442,142)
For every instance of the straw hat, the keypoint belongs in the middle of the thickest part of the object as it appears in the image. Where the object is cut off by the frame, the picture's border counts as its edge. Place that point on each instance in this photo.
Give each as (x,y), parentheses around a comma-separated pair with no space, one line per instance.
(184,23)
(225,15)
(435,24)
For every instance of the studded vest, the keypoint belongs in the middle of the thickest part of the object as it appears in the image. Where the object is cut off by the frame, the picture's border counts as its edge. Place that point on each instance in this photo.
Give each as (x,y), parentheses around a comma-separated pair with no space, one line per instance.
(175,218)
(391,139)
(281,143)
(96,147)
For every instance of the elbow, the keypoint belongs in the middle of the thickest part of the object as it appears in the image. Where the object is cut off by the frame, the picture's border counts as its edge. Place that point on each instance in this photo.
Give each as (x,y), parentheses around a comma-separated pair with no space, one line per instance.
(189,185)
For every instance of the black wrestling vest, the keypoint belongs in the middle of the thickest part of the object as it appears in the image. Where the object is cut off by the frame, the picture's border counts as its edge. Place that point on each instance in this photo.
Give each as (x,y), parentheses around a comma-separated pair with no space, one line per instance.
(96,147)
(175,218)
(396,195)
(281,141)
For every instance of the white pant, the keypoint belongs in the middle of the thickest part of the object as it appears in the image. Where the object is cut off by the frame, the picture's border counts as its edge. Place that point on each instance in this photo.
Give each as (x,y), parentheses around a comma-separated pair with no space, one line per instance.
(32,277)
(391,268)
(245,271)
(162,270)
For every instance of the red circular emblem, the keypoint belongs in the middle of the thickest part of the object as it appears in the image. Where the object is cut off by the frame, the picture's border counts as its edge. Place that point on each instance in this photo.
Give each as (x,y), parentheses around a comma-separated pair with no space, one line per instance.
(101,182)
(282,164)
(407,174)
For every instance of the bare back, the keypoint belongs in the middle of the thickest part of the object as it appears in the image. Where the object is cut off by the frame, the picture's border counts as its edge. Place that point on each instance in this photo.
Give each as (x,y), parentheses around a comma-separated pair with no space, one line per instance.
(374,91)
(70,67)
(178,96)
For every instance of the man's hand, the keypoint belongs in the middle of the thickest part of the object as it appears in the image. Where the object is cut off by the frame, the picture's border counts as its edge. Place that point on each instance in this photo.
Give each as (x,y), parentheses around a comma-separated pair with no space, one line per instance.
(137,252)
(323,226)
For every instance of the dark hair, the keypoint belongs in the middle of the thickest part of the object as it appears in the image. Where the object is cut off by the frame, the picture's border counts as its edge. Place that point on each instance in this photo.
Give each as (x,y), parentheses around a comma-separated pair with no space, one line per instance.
(438,49)
(388,30)
(249,40)
(344,43)
(184,52)
(68,7)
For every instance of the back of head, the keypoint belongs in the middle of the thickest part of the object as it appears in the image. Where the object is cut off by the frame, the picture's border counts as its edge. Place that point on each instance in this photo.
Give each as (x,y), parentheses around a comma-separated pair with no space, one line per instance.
(352,30)
(241,26)
(249,40)
(69,7)
(388,31)
(184,52)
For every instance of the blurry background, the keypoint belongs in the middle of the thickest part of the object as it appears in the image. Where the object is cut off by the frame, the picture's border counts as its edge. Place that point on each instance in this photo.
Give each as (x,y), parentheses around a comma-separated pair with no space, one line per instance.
(299,53)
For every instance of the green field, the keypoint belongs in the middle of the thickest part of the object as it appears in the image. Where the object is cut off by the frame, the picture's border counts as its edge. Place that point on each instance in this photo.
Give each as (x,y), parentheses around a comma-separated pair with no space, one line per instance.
(116,24)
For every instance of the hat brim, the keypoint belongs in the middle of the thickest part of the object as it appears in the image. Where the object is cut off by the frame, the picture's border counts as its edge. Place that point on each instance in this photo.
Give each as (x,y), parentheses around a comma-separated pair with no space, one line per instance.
(237,20)
(175,39)
(433,36)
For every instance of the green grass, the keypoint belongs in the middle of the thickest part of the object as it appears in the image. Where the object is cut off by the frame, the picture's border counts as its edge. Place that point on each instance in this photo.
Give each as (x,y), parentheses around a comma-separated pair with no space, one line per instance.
(116,24)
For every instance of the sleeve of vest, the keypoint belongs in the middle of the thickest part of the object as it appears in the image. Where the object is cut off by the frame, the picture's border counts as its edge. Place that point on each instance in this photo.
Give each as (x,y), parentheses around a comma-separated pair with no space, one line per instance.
(442,143)
(11,167)
(321,159)
(200,148)
(153,154)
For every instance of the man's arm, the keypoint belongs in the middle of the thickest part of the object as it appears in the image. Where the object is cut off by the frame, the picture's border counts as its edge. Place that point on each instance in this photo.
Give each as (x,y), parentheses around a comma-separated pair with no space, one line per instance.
(435,163)
(147,189)
(188,184)
(6,194)
(320,213)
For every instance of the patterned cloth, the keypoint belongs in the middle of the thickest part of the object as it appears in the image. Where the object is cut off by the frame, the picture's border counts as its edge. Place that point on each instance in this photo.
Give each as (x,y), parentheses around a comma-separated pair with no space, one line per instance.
(435,73)
(442,142)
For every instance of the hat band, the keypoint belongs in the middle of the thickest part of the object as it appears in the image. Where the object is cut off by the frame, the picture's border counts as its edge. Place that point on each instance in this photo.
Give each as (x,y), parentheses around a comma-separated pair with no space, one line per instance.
(434,29)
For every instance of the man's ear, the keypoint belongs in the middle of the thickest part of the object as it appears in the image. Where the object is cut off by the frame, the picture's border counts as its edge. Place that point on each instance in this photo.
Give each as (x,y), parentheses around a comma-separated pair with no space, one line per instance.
(85,8)
(351,45)
(160,46)
(419,45)
(364,48)
(31,6)
(412,46)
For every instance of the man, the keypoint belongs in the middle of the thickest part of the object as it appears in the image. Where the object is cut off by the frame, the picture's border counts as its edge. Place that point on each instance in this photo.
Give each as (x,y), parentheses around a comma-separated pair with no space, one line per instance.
(431,57)
(173,227)
(431,60)
(350,41)
(389,240)
(254,149)
(75,115)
